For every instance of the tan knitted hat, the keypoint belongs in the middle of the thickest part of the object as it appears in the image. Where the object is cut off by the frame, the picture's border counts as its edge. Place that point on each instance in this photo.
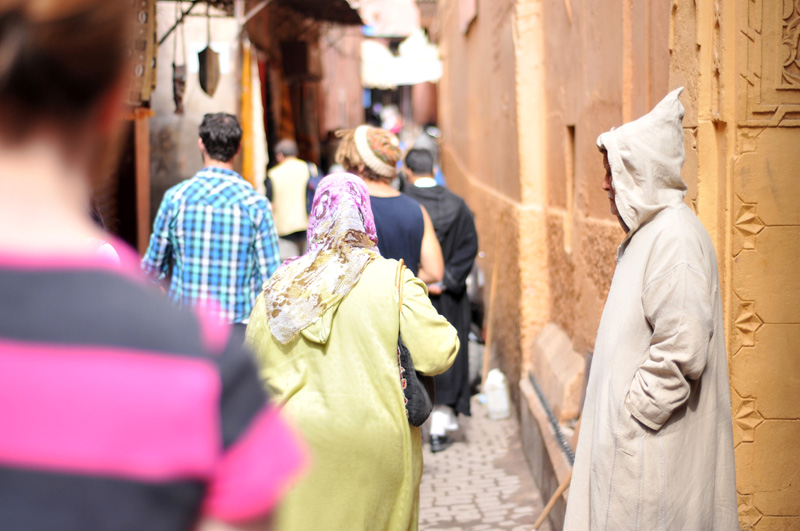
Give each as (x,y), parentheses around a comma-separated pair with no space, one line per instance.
(379,149)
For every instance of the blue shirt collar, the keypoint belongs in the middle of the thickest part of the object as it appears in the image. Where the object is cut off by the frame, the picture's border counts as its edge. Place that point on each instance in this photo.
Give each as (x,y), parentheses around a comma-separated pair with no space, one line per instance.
(219,172)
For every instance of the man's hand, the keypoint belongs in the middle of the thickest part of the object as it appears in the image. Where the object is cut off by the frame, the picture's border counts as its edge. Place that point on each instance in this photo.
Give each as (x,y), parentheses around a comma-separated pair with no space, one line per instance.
(435,288)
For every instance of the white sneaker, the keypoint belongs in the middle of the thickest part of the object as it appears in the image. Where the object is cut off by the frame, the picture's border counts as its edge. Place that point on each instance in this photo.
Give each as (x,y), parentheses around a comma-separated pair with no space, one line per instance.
(443,418)
(452,421)
(439,422)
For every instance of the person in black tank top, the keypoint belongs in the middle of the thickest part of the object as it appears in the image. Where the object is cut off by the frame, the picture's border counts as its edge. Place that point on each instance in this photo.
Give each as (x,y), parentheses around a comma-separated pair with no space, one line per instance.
(404,227)
(400,228)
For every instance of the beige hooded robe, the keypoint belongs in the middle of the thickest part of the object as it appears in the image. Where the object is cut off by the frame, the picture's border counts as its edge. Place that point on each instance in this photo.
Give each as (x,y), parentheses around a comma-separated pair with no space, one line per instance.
(655,450)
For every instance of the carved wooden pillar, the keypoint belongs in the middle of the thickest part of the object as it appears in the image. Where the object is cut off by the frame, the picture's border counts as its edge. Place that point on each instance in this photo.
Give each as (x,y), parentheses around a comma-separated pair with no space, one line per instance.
(740,62)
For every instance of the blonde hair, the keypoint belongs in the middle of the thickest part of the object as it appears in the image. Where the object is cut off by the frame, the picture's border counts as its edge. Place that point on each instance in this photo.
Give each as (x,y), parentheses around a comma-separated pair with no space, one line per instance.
(348,156)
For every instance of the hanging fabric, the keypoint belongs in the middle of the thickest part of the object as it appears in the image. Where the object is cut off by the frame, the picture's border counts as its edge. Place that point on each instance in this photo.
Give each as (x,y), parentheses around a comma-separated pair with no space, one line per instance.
(209,61)
(178,71)
(246,115)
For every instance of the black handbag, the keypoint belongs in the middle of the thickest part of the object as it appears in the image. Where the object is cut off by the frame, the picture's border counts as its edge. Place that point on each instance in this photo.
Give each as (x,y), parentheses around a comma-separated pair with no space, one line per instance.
(419,391)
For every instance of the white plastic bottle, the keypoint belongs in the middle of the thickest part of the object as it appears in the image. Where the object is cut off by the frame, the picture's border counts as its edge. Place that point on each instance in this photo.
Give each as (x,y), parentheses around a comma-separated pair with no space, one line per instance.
(496,389)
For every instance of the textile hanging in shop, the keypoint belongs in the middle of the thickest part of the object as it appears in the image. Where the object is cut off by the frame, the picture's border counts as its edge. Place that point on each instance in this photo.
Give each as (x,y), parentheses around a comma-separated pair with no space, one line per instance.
(251,113)
(286,128)
(143,53)
(260,157)
(307,127)
(178,86)
(209,62)
(246,115)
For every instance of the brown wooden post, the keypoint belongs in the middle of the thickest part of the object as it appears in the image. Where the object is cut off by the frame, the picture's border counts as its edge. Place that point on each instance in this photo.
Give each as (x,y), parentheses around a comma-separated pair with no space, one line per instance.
(141,134)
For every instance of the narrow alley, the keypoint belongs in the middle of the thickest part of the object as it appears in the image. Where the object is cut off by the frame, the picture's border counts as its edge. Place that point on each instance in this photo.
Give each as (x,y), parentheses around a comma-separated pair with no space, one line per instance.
(259,258)
(482,481)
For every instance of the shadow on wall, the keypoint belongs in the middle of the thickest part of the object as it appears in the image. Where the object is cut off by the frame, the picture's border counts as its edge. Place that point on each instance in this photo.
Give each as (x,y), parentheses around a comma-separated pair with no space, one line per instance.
(164,168)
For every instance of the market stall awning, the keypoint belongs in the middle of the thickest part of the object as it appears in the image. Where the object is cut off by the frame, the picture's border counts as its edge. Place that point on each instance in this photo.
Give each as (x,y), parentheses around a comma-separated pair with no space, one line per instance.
(389,18)
(338,11)
(417,62)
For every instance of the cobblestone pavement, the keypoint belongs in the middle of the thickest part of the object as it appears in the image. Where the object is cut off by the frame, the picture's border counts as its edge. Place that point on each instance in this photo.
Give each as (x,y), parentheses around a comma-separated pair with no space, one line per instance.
(482,482)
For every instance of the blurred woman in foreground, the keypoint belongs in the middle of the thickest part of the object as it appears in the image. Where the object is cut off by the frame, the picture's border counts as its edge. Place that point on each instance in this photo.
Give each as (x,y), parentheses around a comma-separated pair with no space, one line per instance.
(325,334)
(118,412)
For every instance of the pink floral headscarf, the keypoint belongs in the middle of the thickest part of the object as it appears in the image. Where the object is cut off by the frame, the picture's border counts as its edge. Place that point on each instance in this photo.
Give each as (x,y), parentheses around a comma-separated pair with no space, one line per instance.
(342,240)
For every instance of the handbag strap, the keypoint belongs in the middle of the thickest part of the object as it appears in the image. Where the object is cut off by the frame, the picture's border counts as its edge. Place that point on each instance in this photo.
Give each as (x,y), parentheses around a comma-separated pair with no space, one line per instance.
(399,281)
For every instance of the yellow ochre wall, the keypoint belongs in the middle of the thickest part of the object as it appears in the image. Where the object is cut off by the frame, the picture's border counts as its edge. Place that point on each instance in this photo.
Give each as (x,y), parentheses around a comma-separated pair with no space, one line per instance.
(526,90)
(481,157)
(739,60)
(529,85)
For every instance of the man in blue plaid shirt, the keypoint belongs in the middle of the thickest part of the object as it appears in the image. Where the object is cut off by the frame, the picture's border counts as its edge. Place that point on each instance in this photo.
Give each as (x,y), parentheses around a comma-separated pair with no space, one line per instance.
(214,230)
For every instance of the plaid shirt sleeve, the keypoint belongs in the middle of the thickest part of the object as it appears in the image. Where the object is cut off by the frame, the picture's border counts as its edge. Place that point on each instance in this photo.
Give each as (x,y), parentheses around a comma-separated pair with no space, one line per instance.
(267,255)
(156,260)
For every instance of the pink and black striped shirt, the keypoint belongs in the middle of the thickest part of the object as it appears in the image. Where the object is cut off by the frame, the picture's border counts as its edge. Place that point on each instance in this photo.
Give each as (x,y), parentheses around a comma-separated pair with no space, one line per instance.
(119,412)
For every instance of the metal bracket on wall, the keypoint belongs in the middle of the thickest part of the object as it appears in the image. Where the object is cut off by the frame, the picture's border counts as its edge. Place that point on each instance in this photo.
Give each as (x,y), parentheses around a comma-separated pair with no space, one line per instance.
(177,22)
(253,12)
(560,438)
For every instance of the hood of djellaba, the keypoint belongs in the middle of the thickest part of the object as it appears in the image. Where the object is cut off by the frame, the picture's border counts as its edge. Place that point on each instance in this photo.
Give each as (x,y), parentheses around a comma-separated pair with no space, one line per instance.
(646,157)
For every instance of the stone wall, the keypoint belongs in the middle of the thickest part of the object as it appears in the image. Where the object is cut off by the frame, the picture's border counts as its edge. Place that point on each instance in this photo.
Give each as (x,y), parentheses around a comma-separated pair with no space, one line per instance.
(606,62)
(525,92)
(527,89)
(481,160)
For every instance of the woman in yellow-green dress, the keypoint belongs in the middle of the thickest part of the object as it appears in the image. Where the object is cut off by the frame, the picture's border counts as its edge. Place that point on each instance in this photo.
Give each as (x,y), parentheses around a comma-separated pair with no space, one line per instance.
(324,331)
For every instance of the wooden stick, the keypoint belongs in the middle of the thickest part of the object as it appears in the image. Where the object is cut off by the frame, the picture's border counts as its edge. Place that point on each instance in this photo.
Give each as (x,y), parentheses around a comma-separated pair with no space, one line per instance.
(141,148)
(556,495)
(487,352)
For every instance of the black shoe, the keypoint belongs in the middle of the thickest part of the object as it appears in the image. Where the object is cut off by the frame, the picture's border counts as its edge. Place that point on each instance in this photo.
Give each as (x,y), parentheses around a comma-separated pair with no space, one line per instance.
(439,443)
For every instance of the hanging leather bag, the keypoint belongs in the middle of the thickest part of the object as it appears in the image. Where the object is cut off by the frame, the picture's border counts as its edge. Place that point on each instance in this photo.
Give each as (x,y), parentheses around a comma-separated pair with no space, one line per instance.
(419,391)
(209,61)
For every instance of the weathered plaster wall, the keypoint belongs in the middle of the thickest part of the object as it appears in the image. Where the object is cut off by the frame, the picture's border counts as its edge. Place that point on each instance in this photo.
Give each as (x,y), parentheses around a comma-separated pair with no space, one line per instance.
(606,62)
(423,103)
(481,161)
(520,126)
(526,90)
